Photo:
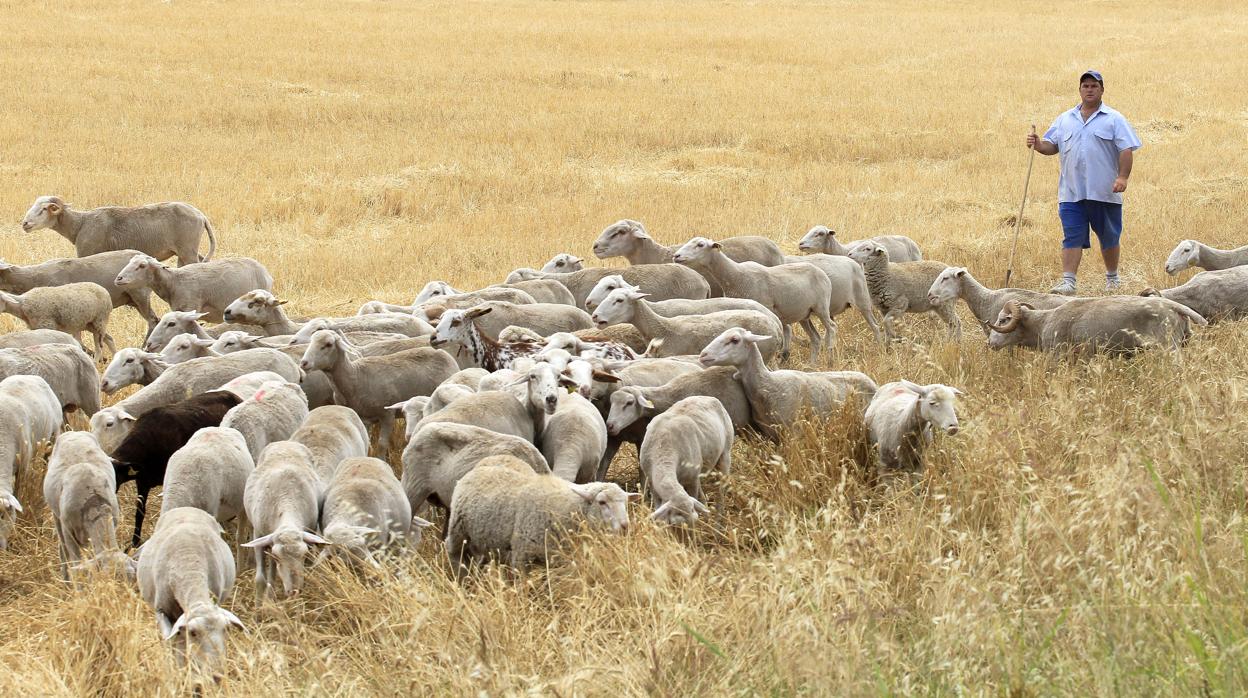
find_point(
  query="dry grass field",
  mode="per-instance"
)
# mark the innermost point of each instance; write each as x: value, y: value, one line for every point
x: 1083, y: 535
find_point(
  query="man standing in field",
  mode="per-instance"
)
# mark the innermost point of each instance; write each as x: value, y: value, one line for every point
x: 1097, y: 146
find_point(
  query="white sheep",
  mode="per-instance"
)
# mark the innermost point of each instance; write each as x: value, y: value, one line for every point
x: 684, y: 334
x: 574, y: 439
x: 821, y: 239
x: 1114, y: 324
x: 30, y: 338
x: 282, y: 501
x: 633, y: 403
x: 270, y: 414
x: 434, y: 289
x: 1191, y: 253
x: 778, y: 398
x: 672, y: 307
x: 30, y: 417
x: 459, y: 299
x: 99, y: 269
x: 366, y: 511
x: 794, y: 292
x: 499, y: 411
x: 183, y: 380
x: 185, y: 572
x: 370, y: 384
x: 901, y: 287
x: 503, y: 510
x: 901, y: 416
x: 693, y: 434
x: 246, y: 385
x: 80, y: 488
x: 66, y: 368
x: 210, y: 473
x: 1216, y: 295
x: 186, y: 346
x: 543, y: 291
x: 72, y: 308
x: 160, y: 230
x: 207, y: 287
x: 332, y: 434
x: 131, y: 367
x: 985, y: 303
x: 261, y: 308
x: 849, y: 286
x: 440, y: 454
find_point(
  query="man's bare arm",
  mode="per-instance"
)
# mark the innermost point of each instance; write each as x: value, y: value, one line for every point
x: 1042, y: 146
x: 1125, y: 159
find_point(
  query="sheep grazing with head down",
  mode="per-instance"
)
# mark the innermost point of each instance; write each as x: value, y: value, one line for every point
x: 1190, y: 253
x: 1114, y: 324
x: 160, y: 230
x: 694, y: 433
x: 81, y: 492
x: 440, y: 454
x: 271, y: 414
x: 30, y: 417
x: 901, y: 418
x: 185, y: 572
x: 503, y: 510
x: 282, y: 500
x: 366, y: 511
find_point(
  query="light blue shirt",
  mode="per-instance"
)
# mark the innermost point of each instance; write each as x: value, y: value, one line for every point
x: 1089, y: 153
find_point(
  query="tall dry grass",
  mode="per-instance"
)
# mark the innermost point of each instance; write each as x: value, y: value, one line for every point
x: 1084, y: 534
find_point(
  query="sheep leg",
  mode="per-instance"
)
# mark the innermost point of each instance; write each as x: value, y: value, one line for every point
x: 786, y: 336
x: 385, y: 433
x: 829, y: 330
x: 862, y: 303
x: 262, y: 584
x: 78, y: 338
x: 613, y: 446
x: 142, y: 303
x: 60, y: 544
x: 140, y: 509
x: 808, y: 326
x: 724, y: 464
x: 890, y: 318
x: 950, y: 316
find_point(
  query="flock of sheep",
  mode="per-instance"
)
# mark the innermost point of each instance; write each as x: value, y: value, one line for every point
x: 515, y: 397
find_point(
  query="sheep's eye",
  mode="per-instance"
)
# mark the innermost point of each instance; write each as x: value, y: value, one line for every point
x: 734, y: 340
x: 129, y: 361
x: 169, y: 324
x: 455, y: 323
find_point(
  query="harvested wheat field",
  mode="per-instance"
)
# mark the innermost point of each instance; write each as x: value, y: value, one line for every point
x: 1084, y: 532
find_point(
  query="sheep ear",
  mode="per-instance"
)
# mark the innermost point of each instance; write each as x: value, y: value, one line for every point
x: 660, y: 514
x: 960, y: 273
x: 165, y: 625
x: 637, y: 295
x: 418, y: 522
x: 575, y: 260
x: 959, y: 392
x: 177, y: 625
x: 566, y: 382
x: 281, y: 302
x: 320, y: 557
x: 261, y: 542
x: 13, y: 503
x: 234, y: 620
x: 604, y: 377
x: 750, y: 336
x: 641, y: 400
x: 477, y: 312
x: 199, y: 342
x: 312, y: 538
x: 126, y: 416
x: 716, y: 246
x: 398, y: 406
x: 587, y: 493
x: 700, y: 507
x: 198, y: 316
x: 54, y: 208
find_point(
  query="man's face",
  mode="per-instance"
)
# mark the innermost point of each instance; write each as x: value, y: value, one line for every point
x: 1090, y: 91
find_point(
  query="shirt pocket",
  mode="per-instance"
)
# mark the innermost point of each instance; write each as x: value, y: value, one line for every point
x: 1065, y: 141
x: 1105, y: 133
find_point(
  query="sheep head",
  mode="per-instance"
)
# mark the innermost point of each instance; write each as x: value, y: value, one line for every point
x: 127, y: 368
x: 434, y: 289
x: 43, y: 214
x: 815, y: 239
x: 138, y: 270
x: 605, y: 287
x: 696, y: 250
x: 617, y: 307
x: 628, y: 405
x: 731, y: 348
x: 948, y: 286
x: 9, y: 509
x: 1185, y: 254
x: 254, y: 307
x: 563, y: 263
x: 606, y: 502
x: 868, y: 252
x: 619, y: 238
x: 288, y: 547
x: 200, y: 632
x: 171, y: 324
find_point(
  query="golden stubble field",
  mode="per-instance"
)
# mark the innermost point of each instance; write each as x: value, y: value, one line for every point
x: 1084, y: 534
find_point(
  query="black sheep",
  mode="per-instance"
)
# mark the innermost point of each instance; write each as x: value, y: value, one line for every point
x: 144, y: 454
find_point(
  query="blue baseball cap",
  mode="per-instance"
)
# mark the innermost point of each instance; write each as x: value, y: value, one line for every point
x: 1094, y: 74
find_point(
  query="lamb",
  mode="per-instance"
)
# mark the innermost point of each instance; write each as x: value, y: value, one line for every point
x: 80, y: 490
x: 440, y: 454
x: 900, y: 419
x: 185, y: 571
x: 673, y: 307
x: 543, y: 291
x: 282, y: 500
x: 31, y: 338
x: 30, y: 417
x: 821, y: 239
x: 633, y: 403
x: 98, y: 269
x: 71, y: 308
x: 1115, y: 324
x: 502, y: 510
x: 210, y: 473
x: 207, y: 287
x: 849, y: 286
x: 985, y: 303
x: 66, y: 368
x: 1191, y: 253
x: 366, y: 511
x: 160, y: 230
x: 369, y: 384
x: 778, y: 398
x: 1216, y: 295
x: 497, y: 411
x: 461, y: 332
x: 685, y: 334
x: 662, y: 281
x: 151, y: 439
x: 899, y: 288
x: 260, y: 307
x: 273, y: 413
x: 563, y: 262
x: 794, y: 292
x: 694, y: 433
x: 574, y: 439
x: 332, y: 434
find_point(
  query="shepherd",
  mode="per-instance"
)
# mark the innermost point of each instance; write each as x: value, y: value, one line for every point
x: 1097, y: 146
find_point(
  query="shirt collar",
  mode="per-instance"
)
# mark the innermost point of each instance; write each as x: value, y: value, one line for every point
x: 1099, y: 110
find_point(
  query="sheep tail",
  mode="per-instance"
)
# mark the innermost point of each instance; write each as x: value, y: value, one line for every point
x: 212, y: 240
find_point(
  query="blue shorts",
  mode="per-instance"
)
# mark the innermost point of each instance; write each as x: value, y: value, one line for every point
x: 1103, y: 218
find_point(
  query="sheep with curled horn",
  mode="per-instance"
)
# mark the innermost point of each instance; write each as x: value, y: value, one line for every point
x: 1116, y: 324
